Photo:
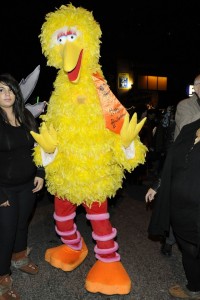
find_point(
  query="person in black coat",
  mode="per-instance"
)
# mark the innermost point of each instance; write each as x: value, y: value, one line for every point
x: 188, y: 111
x: 178, y: 203
x: 20, y: 180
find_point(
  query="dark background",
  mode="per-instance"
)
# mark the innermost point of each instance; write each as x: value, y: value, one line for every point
x: 158, y: 36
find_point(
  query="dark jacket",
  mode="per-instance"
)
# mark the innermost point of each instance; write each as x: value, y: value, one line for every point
x: 178, y: 200
x: 16, y: 160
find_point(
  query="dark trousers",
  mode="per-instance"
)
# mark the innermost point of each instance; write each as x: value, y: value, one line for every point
x: 170, y: 239
x: 14, y: 221
x: 191, y: 263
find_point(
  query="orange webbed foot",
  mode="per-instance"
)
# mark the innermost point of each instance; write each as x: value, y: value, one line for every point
x: 65, y: 258
x: 108, y: 278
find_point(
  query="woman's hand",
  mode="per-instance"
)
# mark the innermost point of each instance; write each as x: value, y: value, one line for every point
x: 150, y: 195
x: 5, y: 204
x: 38, y: 183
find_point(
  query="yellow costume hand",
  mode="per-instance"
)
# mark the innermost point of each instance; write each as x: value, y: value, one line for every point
x: 47, y: 139
x: 130, y: 129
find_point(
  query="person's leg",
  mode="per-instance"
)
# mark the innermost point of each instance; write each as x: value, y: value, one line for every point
x: 108, y: 267
x: 26, y: 199
x: 20, y: 257
x: 8, y: 225
x: 103, y: 232
x: 65, y: 213
x: 170, y: 240
x: 73, y: 251
x: 191, y: 265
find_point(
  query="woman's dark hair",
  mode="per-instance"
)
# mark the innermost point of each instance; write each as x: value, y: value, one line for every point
x: 23, y: 116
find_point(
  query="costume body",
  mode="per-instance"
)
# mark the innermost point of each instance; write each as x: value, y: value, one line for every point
x: 178, y: 200
x: 17, y: 174
x: 88, y: 164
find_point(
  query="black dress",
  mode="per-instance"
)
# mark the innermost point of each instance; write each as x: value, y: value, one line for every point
x: 178, y: 199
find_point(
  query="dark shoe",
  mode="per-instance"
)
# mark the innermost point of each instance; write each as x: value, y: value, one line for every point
x: 180, y: 292
x: 166, y: 249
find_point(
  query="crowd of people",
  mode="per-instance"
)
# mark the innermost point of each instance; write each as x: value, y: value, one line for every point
x: 157, y: 134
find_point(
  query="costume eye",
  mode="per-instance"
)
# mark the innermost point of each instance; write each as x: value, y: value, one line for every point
x: 69, y: 37
x: 62, y: 39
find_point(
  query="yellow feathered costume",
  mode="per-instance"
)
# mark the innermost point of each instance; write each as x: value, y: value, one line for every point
x: 83, y: 154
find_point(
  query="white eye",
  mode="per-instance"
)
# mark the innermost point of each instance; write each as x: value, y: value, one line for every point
x: 62, y: 39
x: 69, y: 37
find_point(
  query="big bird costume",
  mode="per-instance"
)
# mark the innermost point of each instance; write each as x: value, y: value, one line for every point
x: 86, y: 142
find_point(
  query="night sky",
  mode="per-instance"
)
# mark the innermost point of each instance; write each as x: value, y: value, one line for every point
x: 164, y: 36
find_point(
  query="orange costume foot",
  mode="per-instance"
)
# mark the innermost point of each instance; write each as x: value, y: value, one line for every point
x: 108, y: 278
x: 65, y: 258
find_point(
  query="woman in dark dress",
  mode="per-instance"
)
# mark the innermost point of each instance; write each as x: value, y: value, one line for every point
x: 178, y: 203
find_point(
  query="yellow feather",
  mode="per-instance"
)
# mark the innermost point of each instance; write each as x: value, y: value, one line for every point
x: 40, y: 140
x: 90, y: 163
x: 139, y: 126
x: 49, y: 140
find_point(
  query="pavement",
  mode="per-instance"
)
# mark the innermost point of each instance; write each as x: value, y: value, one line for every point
x: 151, y: 273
